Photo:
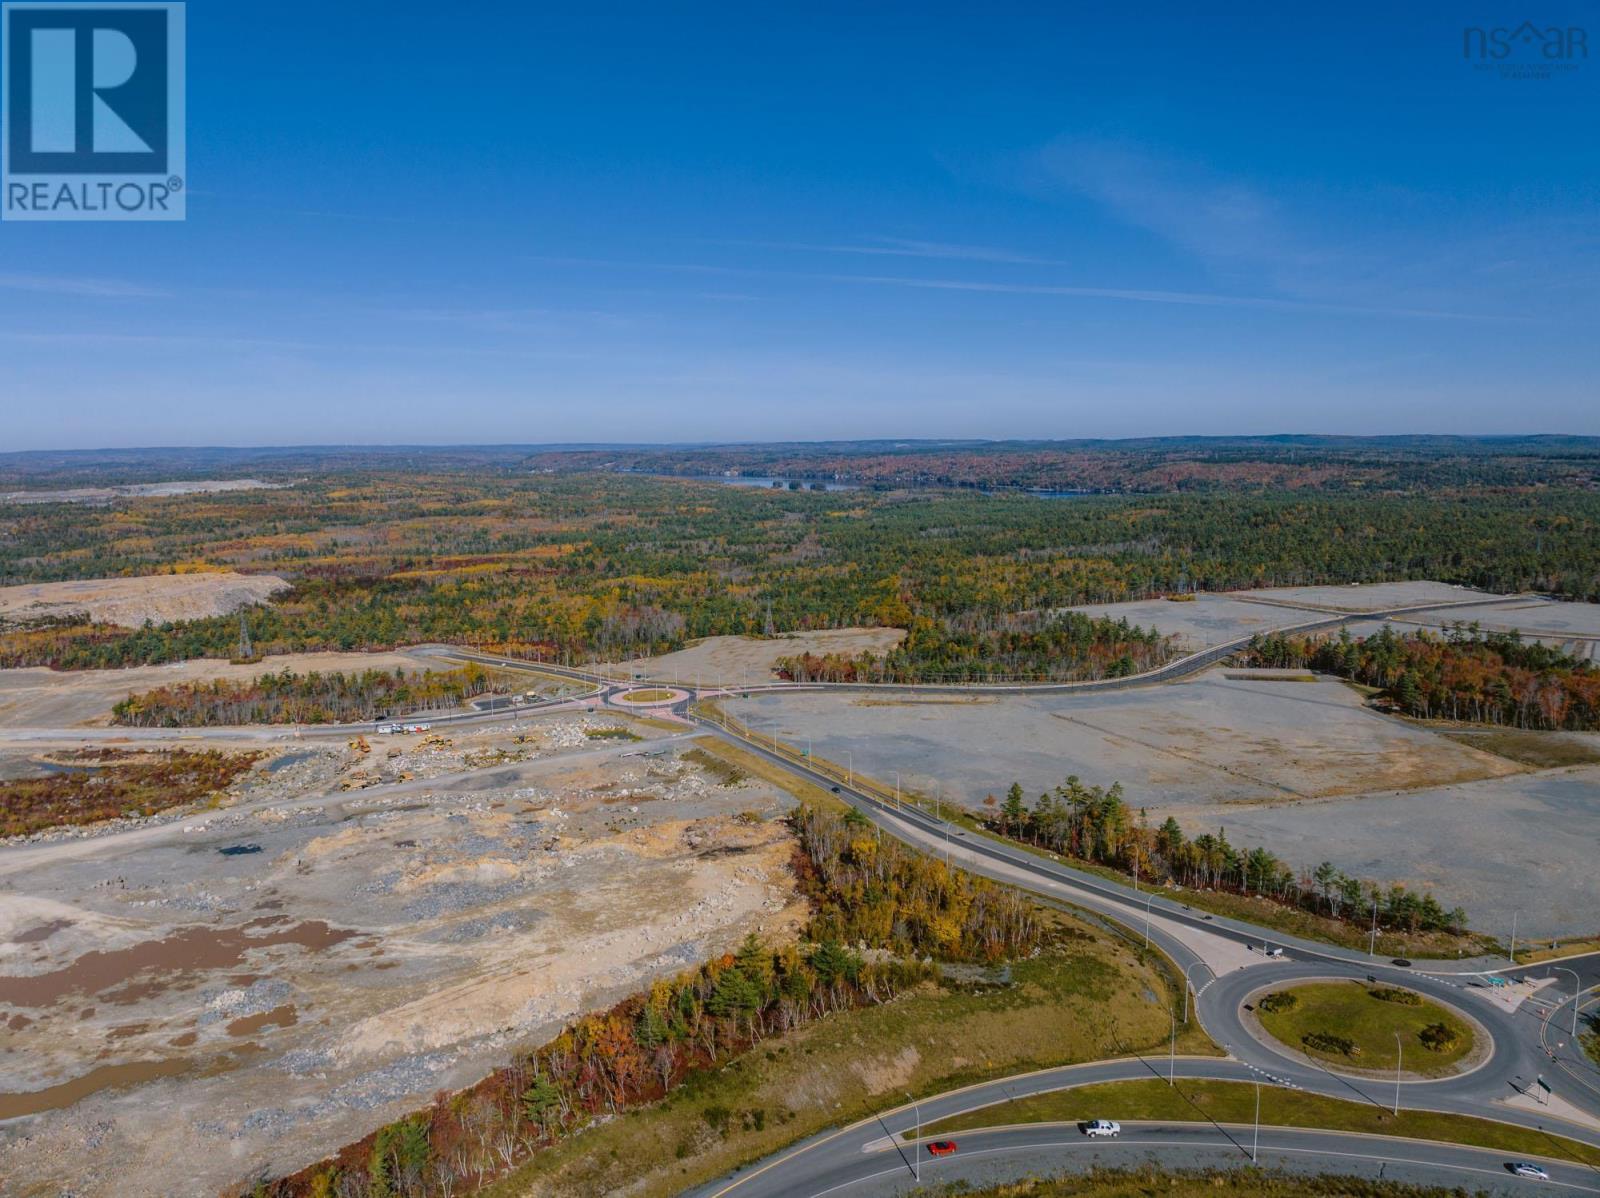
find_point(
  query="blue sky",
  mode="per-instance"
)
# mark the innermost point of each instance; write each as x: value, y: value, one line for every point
x: 522, y: 222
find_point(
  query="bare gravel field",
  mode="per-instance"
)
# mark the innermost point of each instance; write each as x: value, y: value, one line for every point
x: 742, y: 659
x: 246, y: 989
x: 129, y: 602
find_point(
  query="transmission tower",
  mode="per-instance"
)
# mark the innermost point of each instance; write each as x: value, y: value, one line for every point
x: 246, y: 652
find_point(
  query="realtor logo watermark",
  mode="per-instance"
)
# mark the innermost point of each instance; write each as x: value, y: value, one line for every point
x: 92, y: 111
x: 1526, y: 51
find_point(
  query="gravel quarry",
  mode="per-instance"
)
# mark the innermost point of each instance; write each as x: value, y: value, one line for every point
x: 362, y: 926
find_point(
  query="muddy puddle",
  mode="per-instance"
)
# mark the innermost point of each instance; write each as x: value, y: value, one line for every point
x: 187, y: 949
x: 32, y: 1102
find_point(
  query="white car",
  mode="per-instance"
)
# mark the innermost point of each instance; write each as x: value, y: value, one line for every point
x: 1524, y: 1169
x: 1102, y: 1127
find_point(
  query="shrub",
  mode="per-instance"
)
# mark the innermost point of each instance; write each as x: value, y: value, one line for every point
x: 1437, y: 1037
x: 1406, y: 998
x: 1281, y: 1000
x: 1327, y: 1042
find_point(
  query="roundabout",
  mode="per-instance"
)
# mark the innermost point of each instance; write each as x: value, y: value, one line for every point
x: 1368, y: 1030
x: 651, y: 696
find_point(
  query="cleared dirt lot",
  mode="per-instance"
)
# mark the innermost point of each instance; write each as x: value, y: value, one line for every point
x: 129, y: 602
x: 1300, y: 767
x: 1572, y: 627
x: 42, y: 698
x: 1202, y: 621
x: 249, y: 988
x: 1372, y: 596
x: 1521, y: 845
x: 139, y: 490
x: 734, y: 660
x: 1213, y: 741
x: 1213, y: 619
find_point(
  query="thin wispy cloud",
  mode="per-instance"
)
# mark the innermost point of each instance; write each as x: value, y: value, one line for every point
x: 1145, y: 296
x: 1126, y: 294
x: 900, y: 247
x: 71, y: 285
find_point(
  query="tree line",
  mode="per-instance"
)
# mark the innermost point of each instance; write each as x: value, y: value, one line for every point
x: 1095, y: 824
x: 1464, y: 674
x: 1036, y: 646
x: 311, y: 698
x: 880, y: 910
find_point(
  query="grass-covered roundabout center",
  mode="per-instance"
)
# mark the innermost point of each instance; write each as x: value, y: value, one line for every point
x: 1368, y: 1027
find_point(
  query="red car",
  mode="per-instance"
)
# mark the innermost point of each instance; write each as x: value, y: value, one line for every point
x: 941, y: 1147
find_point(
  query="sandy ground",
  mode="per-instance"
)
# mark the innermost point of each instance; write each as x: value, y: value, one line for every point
x: 467, y: 897
x: 1300, y: 767
x: 733, y: 660
x: 1203, y: 621
x: 42, y: 698
x: 1373, y: 596
x: 1572, y: 627
x: 1524, y: 844
x: 138, y: 491
x: 129, y: 602
x: 1213, y: 619
x: 1210, y: 743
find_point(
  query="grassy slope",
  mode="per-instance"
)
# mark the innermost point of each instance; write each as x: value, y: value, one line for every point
x: 1348, y: 1009
x: 1079, y: 1001
x: 1235, y: 1102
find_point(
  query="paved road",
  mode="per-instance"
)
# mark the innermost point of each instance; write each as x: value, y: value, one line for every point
x: 1190, y: 938
x: 994, y: 1156
x: 874, y: 1157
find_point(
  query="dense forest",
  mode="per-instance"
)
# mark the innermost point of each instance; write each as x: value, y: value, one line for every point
x: 1095, y: 824
x: 880, y: 910
x: 1464, y: 674
x: 312, y: 698
x: 581, y: 566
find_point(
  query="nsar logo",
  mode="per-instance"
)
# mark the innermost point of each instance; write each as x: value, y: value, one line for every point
x: 92, y: 111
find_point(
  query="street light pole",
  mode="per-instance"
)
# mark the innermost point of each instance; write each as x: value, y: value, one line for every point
x: 1512, y: 955
x: 1188, y: 988
x: 1172, y: 1051
x: 1148, y: 896
x: 1372, y: 941
x: 1577, y: 996
x: 1255, y: 1143
x: 851, y: 759
x: 1399, y: 1055
x: 916, y: 1147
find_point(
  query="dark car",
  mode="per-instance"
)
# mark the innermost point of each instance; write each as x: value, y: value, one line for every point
x: 835, y: 790
x: 1400, y: 961
x: 941, y: 1148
